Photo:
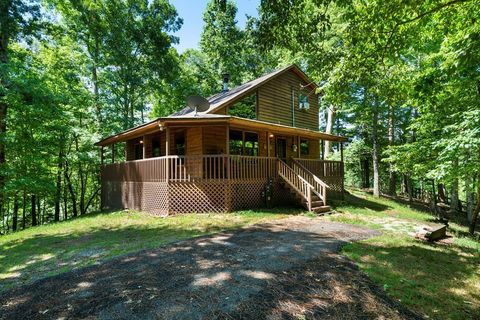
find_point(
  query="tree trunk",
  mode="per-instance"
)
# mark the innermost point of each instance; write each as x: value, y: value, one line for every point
x: 58, y: 191
x: 441, y: 193
x: 34, y: 209
x: 454, y: 192
x: 366, y: 173
x: 434, y: 199
x: 332, y: 111
x: 71, y: 191
x: 15, y: 212
x: 24, y: 207
x: 375, y: 154
x: 476, y: 212
x: 4, y: 43
x: 392, y: 186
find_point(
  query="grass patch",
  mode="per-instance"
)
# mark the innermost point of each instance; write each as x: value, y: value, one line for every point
x: 437, y: 280
x: 56, y: 248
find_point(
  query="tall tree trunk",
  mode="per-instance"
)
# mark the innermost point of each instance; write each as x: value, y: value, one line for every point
x: 441, y: 193
x: 454, y: 191
x: 392, y: 186
x: 65, y: 200
x: 73, y: 197
x: 5, y: 35
x: 58, y: 191
x: 476, y: 212
x: 96, y: 91
x: 15, y: 212
x: 375, y: 153
x: 24, y: 208
x: 34, y: 209
x: 332, y: 111
x: 470, y: 197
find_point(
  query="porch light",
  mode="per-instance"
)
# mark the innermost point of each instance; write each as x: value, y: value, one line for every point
x: 270, y: 135
x: 294, y: 148
x: 141, y: 141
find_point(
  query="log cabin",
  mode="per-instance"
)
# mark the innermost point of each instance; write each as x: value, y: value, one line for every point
x: 256, y: 145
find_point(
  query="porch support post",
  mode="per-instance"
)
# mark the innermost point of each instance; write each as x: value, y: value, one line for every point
x: 298, y: 147
x: 323, y: 149
x: 227, y: 150
x: 101, y: 177
x: 268, y: 144
x: 167, y: 153
x: 144, y: 149
x: 341, y: 151
x: 113, y: 152
x: 342, y: 169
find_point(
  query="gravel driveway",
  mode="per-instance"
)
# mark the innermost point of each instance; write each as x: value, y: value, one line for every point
x: 287, y: 269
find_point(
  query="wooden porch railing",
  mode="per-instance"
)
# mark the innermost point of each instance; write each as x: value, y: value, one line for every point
x: 322, y: 168
x: 191, y: 168
x: 302, y: 186
x: 319, y: 187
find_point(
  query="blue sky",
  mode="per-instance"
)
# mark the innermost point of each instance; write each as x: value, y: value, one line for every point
x: 191, y: 11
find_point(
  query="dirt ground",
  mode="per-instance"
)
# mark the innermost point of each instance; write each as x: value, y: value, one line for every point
x: 288, y: 269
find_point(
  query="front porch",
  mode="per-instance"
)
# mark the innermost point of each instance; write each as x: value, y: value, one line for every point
x: 218, y: 164
x: 210, y: 183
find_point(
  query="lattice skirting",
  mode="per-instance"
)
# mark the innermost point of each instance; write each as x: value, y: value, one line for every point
x: 248, y: 194
x: 146, y: 196
x: 199, y: 197
x: 336, y: 187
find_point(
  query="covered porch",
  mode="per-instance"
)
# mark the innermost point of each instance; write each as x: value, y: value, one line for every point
x: 211, y: 165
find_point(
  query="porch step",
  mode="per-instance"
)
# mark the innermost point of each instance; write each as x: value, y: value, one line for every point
x: 321, y: 209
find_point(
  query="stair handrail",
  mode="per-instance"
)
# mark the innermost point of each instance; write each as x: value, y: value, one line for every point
x: 319, y: 186
x: 303, y: 187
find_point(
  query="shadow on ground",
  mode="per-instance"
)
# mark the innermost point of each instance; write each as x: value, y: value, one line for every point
x: 286, y: 269
x: 33, y: 257
x: 431, y: 277
x: 361, y: 203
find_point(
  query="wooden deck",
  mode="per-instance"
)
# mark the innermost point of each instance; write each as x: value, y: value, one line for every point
x: 213, y: 183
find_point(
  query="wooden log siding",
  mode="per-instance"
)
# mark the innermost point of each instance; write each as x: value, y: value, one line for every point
x: 275, y: 102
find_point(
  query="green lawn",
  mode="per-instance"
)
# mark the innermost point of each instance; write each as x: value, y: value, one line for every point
x: 437, y: 280
x: 52, y: 249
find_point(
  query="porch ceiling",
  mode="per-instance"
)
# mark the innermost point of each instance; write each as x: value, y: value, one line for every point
x: 213, y: 119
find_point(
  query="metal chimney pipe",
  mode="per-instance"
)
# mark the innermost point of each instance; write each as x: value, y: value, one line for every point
x: 226, y: 78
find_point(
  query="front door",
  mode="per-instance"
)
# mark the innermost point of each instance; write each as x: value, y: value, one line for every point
x: 281, y: 149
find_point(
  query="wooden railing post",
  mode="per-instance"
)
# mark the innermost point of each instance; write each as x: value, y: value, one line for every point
x: 309, y: 199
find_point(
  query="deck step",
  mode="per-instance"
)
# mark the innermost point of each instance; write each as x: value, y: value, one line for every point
x: 321, y: 209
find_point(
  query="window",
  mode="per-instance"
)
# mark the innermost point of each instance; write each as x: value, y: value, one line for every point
x: 251, y: 144
x: 236, y: 142
x: 180, y: 143
x: 304, y: 147
x: 243, y: 143
x: 245, y: 108
x: 138, y: 151
x: 303, y: 103
x: 156, y: 147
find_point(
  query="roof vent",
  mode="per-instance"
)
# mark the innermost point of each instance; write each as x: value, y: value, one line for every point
x: 226, y: 78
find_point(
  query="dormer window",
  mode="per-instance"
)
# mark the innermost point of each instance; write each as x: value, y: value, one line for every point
x: 303, y: 103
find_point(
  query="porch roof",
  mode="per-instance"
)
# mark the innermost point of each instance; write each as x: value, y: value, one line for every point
x: 212, y: 119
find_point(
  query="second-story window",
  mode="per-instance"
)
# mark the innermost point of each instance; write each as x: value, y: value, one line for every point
x: 245, y: 108
x: 303, y: 103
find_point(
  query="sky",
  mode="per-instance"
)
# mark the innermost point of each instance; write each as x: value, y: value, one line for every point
x: 191, y: 11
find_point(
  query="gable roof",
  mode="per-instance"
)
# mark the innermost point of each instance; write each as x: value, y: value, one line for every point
x: 221, y: 99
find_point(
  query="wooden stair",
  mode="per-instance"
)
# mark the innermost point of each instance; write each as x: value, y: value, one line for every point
x: 308, y: 189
